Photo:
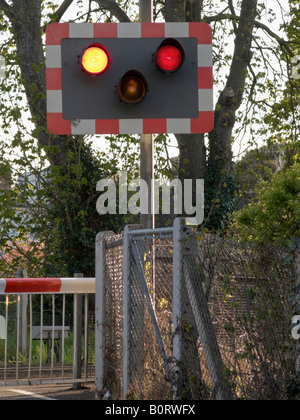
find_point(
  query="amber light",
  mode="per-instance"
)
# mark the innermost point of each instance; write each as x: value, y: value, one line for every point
x: 95, y: 60
x: 132, y: 88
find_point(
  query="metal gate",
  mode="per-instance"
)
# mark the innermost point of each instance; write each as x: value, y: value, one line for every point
x: 148, y: 315
x: 146, y: 302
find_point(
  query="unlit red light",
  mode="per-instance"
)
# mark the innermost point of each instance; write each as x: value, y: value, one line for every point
x: 95, y: 60
x: 169, y: 58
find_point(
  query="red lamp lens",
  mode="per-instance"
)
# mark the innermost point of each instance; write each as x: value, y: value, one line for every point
x: 169, y: 58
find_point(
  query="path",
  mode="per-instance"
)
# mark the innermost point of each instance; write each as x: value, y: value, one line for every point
x: 52, y: 392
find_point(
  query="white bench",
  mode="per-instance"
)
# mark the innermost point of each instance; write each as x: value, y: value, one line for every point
x: 49, y: 333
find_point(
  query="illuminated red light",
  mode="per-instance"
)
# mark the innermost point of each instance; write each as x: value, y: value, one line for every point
x: 169, y: 58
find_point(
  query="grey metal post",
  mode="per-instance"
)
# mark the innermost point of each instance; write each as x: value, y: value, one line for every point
x: 297, y: 306
x: 202, y: 318
x: 146, y: 153
x: 297, y: 277
x: 127, y: 312
x: 23, y: 317
x: 101, y: 321
x: 146, y: 10
x: 77, y: 340
x: 177, y: 293
x: 24, y: 312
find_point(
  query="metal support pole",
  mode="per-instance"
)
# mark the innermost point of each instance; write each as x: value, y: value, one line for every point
x: 146, y: 10
x: 77, y: 349
x: 177, y: 294
x: 129, y: 315
x: 297, y: 307
x: 23, y: 321
x: 146, y: 156
x: 101, y: 321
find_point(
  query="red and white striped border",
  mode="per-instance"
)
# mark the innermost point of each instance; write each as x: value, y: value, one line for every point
x: 201, y: 31
x: 47, y: 286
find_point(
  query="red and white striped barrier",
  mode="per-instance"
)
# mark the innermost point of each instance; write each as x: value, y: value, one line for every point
x: 47, y: 285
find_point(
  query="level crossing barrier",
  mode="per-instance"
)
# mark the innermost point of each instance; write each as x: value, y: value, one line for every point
x: 46, y: 330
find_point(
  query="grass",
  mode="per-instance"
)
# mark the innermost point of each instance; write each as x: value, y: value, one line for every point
x: 35, y: 355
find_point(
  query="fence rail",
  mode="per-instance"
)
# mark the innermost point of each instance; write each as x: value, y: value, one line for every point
x: 44, y: 325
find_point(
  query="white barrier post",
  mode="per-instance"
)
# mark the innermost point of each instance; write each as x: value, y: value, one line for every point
x: 77, y: 343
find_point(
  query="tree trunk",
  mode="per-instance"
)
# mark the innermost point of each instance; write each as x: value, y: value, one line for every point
x: 220, y: 184
x: 192, y: 151
x: 26, y: 24
x: 174, y: 10
x: 231, y: 98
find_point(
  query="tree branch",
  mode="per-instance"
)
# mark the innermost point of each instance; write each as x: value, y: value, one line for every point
x: 62, y: 9
x: 59, y: 13
x: 282, y: 42
x: 114, y: 8
x: 6, y: 8
x: 231, y: 7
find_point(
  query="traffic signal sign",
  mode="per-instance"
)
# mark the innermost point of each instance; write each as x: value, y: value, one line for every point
x: 129, y: 78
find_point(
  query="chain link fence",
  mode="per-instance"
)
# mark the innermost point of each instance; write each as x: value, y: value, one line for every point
x: 193, y: 317
x: 150, y: 317
x: 249, y: 294
x: 109, y: 315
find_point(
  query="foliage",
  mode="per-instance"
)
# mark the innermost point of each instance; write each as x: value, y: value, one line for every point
x: 220, y: 187
x: 72, y: 216
x: 260, y: 164
x: 52, y: 205
x: 48, y: 212
x: 274, y: 215
x: 48, y: 217
x: 283, y: 115
x: 54, y: 208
